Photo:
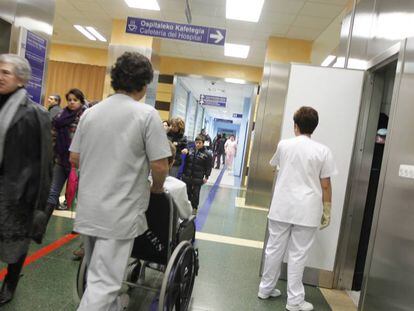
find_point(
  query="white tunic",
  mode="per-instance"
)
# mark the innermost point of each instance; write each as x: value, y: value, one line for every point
x: 297, y: 198
x: 116, y: 139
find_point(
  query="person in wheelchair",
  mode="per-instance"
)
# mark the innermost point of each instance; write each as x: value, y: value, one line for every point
x: 178, y: 190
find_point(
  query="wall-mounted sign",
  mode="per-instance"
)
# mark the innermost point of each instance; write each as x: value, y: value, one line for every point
x: 216, y: 101
x: 161, y: 29
x: 237, y: 115
x: 33, y: 48
x: 223, y: 120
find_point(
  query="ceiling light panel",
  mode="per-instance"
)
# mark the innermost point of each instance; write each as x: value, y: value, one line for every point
x: 236, y: 50
x: 96, y: 34
x: 83, y: 31
x: 244, y: 10
x: 143, y: 4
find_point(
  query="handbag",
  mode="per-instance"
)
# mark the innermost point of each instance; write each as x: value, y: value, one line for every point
x: 72, y: 188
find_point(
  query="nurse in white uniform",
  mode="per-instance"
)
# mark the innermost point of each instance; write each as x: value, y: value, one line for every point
x: 301, y: 203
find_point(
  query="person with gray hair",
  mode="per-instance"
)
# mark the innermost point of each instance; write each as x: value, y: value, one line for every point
x: 25, y: 169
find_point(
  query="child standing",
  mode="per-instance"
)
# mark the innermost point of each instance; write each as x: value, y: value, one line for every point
x: 197, y: 170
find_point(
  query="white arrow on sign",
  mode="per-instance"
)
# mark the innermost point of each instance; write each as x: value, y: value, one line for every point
x: 218, y: 36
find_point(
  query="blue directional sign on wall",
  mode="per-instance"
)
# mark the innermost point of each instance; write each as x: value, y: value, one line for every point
x: 209, y: 100
x: 223, y: 120
x: 237, y: 115
x: 161, y: 29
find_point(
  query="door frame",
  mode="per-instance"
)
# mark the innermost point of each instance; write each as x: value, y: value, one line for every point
x: 360, y: 168
x: 247, y: 143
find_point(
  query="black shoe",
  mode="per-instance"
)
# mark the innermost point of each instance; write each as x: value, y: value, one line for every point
x: 6, y: 295
x: 7, y: 290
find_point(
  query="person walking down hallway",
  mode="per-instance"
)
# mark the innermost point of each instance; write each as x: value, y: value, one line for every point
x: 197, y: 170
x: 54, y: 106
x: 301, y: 202
x: 116, y: 145
x: 218, y: 150
x: 207, y: 139
x: 179, y: 140
x: 231, y: 149
x: 63, y: 129
x: 25, y: 170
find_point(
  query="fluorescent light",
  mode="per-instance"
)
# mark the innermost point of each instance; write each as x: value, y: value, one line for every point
x: 328, y: 61
x: 84, y: 32
x: 96, y: 34
x: 143, y: 4
x: 232, y: 80
x: 236, y: 50
x: 246, y: 10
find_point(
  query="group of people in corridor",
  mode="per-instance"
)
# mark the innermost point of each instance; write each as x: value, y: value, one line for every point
x: 118, y: 146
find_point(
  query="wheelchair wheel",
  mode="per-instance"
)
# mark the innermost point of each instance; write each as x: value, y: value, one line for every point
x: 81, y: 278
x: 178, y: 281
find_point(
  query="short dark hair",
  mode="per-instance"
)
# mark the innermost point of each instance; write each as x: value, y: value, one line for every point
x: 132, y: 71
x: 57, y: 98
x: 77, y: 93
x: 307, y: 119
x: 199, y: 138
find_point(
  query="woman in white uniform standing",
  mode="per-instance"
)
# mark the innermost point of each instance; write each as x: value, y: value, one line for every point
x: 301, y: 203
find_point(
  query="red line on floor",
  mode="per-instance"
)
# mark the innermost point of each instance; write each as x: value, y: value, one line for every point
x: 43, y: 251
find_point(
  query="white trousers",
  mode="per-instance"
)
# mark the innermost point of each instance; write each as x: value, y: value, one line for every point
x: 107, y: 260
x: 296, y: 240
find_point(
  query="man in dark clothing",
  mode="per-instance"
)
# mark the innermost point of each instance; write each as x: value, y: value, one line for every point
x: 207, y: 139
x: 218, y: 150
x: 54, y: 106
x: 197, y: 170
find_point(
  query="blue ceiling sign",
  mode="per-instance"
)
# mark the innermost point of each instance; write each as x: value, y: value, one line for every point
x: 216, y: 101
x: 237, y: 115
x: 184, y: 32
x: 223, y: 120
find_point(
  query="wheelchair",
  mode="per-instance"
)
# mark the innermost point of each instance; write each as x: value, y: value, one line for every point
x: 167, y: 247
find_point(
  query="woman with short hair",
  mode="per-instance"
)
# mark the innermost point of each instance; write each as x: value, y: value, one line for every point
x: 25, y: 169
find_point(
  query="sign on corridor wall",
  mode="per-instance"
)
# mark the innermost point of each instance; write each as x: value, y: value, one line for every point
x: 168, y: 30
x: 216, y: 101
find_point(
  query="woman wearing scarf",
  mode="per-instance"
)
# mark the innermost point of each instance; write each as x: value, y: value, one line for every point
x: 63, y: 129
x: 176, y: 136
x: 25, y: 169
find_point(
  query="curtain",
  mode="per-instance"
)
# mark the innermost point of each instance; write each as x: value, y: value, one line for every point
x: 63, y: 76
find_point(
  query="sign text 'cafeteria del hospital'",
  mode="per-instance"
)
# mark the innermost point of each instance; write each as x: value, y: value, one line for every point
x: 168, y: 30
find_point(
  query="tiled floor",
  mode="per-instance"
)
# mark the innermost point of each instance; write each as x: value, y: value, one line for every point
x: 230, y: 247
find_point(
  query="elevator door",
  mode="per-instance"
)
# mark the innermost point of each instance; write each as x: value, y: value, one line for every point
x: 383, y: 79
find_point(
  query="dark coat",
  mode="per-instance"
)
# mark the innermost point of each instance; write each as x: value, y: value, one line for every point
x: 54, y: 111
x: 218, y: 146
x: 207, y: 139
x: 198, y: 166
x: 180, y: 143
x: 25, y: 175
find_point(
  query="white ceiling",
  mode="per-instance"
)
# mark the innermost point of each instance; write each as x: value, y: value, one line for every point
x: 235, y: 94
x: 298, y: 19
